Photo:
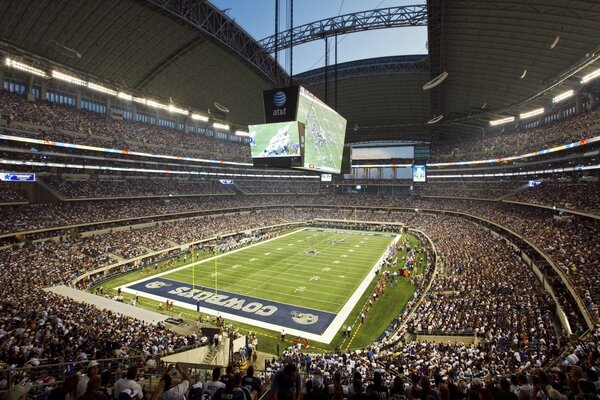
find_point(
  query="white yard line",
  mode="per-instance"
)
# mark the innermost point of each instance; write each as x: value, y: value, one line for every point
x: 325, y: 337
x: 207, y: 260
x: 336, y: 324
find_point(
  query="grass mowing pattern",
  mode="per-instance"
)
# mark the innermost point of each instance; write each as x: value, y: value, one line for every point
x: 364, y: 334
x: 282, y: 270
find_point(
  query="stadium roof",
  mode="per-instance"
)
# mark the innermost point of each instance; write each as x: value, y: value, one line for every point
x: 158, y: 48
x: 498, y: 55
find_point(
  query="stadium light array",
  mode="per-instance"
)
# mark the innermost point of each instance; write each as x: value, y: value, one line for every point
x: 217, y: 125
x: 125, y: 96
x: 24, y: 67
x: 177, y: 110
x: 502, y: 121
x: 68, y: 78
x: 242, y: 133
x: 9, y: 62
x: 591, y: 76
x: 102, y: 89
x: 531, y: 113
x: 563, y: 96
x: 156, y: 104
x: 198, y: 117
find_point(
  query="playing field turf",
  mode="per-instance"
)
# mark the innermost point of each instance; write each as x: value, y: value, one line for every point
x: 282, y: 269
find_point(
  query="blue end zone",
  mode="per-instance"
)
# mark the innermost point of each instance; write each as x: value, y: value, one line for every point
x: 285, y: 315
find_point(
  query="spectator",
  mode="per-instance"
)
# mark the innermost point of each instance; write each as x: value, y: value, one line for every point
x: 91, y: 372
x: 129, y: 382
x: 286, y: 384
x: 179, y: 391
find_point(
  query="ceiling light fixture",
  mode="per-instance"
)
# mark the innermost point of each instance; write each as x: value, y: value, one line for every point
x: 218, y: 125
x: 125, y: 96
x: 532, y: 113
x: 24, y: 67
x: 198, y: 117
x: 563, y: 96
x: 102, y: 89
x: 68, y: 78
x: 435, y: 119
x: 591, y: 76
x: 502, y: 121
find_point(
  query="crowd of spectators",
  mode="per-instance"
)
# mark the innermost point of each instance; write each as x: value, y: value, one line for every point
x: 8, y: 194
x: 583, y: 196
x: 468, y: 298
x: 359, y: 376
x: 36, y: 325
x: 483, y: 189
x: 504, y: 144
x: 100, y: 130
x: 134, y: 187
x: 279, y: 186
x: 484, y: 289
x: 436, y: 371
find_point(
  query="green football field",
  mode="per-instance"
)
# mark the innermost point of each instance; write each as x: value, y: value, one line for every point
x: 283, y: 269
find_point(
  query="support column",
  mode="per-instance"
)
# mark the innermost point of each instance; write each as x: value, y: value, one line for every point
x: 30, y: 96
x: 578, y: 106
x: 43, y: 89
x: 78, y: 98
x: 591, y: 101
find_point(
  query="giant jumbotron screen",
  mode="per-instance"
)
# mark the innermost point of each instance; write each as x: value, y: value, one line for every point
x: 322, y: 144
x: 325, y: 132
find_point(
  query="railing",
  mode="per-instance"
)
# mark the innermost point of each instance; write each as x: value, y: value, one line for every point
x: 58, y: 371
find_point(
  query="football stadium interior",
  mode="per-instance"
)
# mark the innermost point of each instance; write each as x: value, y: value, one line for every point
x: 179, y: 207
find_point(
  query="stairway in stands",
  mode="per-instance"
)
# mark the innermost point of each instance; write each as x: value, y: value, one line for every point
x: 237, y: 190
x: 210, y: 356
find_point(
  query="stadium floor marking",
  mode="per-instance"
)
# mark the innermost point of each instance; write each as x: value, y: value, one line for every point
x: 342, y: 314
x: 337, y: 306
x: 233, y: 273
x: 279, y: 267
x: 286, y: 294
x: 295, y: 265
x: 194, y: 317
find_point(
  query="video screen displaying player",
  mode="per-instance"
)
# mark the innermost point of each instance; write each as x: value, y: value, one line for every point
x: 275, y: 140
x: 325, y: 133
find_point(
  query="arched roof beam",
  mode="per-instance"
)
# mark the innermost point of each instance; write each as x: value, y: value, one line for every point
x: 213, y: 23
x: 392, y: 17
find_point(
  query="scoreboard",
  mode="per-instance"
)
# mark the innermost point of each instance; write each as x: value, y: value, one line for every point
x: 321, y: 132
